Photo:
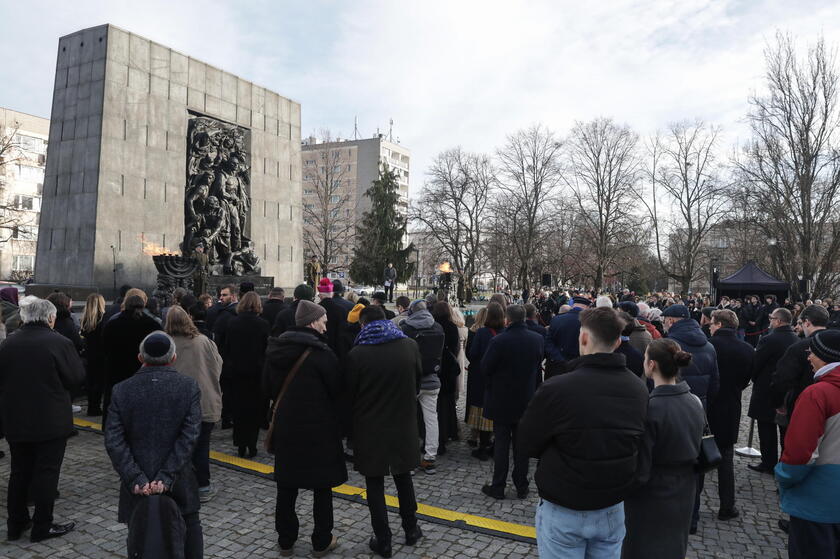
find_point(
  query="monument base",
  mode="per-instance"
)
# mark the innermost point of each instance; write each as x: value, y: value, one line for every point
x: 75, y: 292
x: 262, y: 284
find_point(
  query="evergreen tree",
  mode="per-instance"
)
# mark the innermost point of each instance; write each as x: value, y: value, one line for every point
x: 379, y: 236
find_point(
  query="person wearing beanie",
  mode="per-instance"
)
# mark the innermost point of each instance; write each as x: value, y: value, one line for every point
x: 158, y: 460
x: 338, y: 295
x: 286, y: 318
x: 336, y: 313
x: 808, y: 473
x: 307, y: 425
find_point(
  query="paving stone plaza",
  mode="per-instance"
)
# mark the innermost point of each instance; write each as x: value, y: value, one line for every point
x: 239, y: 522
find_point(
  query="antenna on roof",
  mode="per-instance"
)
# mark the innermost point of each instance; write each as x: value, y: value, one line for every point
x: 355, y: 127
x: 391, y: 130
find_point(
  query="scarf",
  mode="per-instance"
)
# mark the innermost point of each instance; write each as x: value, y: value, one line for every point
x: 379, y: 332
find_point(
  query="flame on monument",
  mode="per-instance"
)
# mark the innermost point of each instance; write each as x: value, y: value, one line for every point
x: 445, y: 268
x: 152, y: 249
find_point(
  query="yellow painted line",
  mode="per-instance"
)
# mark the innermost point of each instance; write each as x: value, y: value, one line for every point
x: 521, y: 530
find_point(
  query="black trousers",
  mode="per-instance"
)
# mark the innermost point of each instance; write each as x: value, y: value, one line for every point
x: 94, y: 381
x: 768, y: 441
x: 695, y: 516
x: 726, y: 478
x: 201, y: 455
x: 447, y: 418
x: 35, y: 468
x: 813, y: 540
x: 226, y: 384
x: 194, y: 544
x: 505, y: 435
x: 376, y: 504
x: 389, y: 292
x: 286, y: 521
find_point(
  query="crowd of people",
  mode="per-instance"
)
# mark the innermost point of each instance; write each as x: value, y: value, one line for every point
x: 616, y: 397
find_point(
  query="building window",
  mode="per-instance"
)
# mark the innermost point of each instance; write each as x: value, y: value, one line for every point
x: 334, y: 199
x: 23, y: 263
x: 24, y: 202
x: 29, y: 173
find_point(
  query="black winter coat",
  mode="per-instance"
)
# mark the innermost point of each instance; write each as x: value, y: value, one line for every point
x: 735, y: 362
x: 449, y: 366
x: 702, y: 374
x: 336, y: 321
x: 793, y: 375
x: 510, y: 367
x: 763, y: 401
x: 382, y: 383
x: 65, y: 326
x: 94, y: 352
x: 586, y: 426
x: 285, y: 320
x: 221, y: 325
x: 635, y: 360
x: 121, y: 339
x: 153, y: 423
x: 271, y: 308
x: 38, y: 367
x: 244, y: 346
x: 477, y: 344
x: 307, y: 434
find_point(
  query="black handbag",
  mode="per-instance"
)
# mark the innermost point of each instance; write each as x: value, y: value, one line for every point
x: 709, y: 457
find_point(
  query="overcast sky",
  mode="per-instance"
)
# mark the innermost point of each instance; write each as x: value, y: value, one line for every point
x: 453, y: 72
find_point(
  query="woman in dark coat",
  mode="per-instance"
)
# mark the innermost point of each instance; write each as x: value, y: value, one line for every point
x: 448, y: 374
x: 64, y: 323
x: 244, y: 355
x: 658, y: 513
x: 307, y: 432
x: 494, y: 322
x: 92, y: 325
x: 121, y: 339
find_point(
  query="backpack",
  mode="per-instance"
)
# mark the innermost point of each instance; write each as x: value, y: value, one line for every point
x: 156, y: 529
x: 430, y: 342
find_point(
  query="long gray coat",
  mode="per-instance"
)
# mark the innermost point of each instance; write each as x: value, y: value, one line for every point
x: 658, y: 513
x: 153, y: 423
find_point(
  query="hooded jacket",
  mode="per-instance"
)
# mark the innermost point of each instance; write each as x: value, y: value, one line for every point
x: 809, y: 470
x: 702, y: 374
x: 422, y: 328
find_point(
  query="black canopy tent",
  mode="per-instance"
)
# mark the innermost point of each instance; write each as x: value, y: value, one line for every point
x: 751, y: 280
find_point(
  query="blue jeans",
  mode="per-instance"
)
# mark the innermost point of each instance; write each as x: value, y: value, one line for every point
x: 572, y: 534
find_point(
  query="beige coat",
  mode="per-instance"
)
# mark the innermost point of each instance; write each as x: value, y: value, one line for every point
x: 199, y: 359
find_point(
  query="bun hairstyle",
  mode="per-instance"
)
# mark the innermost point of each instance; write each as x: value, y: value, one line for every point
x: 669, y: 356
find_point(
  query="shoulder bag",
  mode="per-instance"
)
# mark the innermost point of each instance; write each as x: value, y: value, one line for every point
x: 269, y: 436
x: 709, y: 457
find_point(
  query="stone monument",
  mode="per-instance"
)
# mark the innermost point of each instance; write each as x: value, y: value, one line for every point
x: 154, y: 152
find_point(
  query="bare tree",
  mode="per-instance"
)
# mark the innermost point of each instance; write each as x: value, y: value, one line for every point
x: 16, y: 219
x: 792, y: 165
x: 687, y: 198
x: 328, y: 208
x: 453, y: 206
x: 530, y: 164
x: 604, y: 169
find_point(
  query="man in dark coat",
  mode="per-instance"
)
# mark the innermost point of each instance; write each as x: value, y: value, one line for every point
x: 383, y: 375
x: 338, y: 295
x: 153, y: 423
x: 286, y: 318
x: 510, y: 365
x: 307, y: 432
x: 735, y: 362
x: 275, y: 303
x: 561, y: 340
x: 763, y: 401
x: 229, y: 298
x: 585, y: 427
x: 532, y: 320
x: 38, y: 368
x: 793, y: 372
x: 379, y: 299
x: 389, y: 280
x: 701, y: 375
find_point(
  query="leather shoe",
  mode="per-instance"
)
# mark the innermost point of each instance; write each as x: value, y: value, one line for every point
x: 728, y: 514
x: 760, y: 468
x: 413, y: 536
x: 380, y: 548
x: 522, y: 492
x: 491, y: 491
x: 14, y: 535
x: 693, y: 529
x: 55, y: 531
x: 784, y: 525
